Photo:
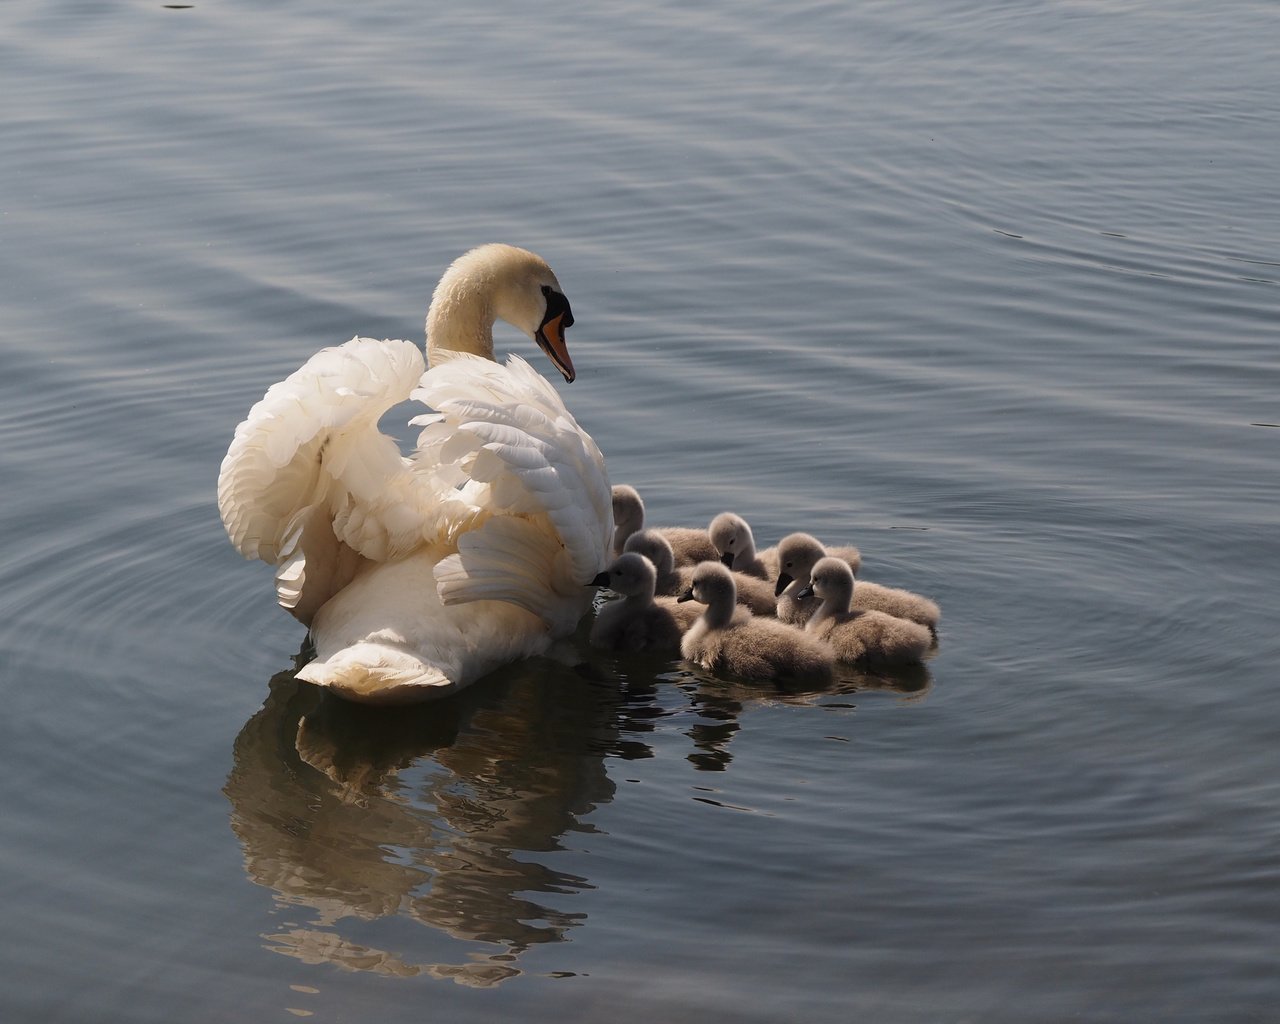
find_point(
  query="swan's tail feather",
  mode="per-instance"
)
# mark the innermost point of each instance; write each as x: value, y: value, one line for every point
x: 506, y: 559
x: 379, y: 673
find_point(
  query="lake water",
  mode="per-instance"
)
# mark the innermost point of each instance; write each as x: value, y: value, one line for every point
x: 990, y: 290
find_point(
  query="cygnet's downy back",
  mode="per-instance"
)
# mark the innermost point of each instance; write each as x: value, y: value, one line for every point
x: 869, y: 637
x: 636, y: 623
x: 727, y: 640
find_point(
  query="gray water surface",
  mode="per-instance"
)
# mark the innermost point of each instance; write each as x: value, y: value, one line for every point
x: 989, y: 290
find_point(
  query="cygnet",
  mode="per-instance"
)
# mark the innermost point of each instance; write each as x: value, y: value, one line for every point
x: 755, y: 594
x: 736, y: 547
x: 860, y: 637
x: 689, y: 546
x: 636, y: 623
x: 728, y: 640
x: 798, y: 553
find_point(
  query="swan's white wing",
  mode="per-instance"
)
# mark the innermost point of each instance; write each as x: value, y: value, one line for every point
x: 309, y: 483
x: 535, y: 480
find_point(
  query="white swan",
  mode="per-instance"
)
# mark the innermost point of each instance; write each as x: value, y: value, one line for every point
x: 418, y: 575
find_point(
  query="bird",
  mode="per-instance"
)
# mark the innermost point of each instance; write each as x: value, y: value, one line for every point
x: 418, y: 575
x: 736, y: 547
x: 636, y: 623
x: 689, y: 545
x: 755, y: 594
x: 657, y: 549
x: 728, y: 640
x: 860, y: 637
x: 798, y: 553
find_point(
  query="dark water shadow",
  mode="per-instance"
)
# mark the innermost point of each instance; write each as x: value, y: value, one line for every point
x: 718, y: 703
x: 448, y: 815
x: 442, y: 814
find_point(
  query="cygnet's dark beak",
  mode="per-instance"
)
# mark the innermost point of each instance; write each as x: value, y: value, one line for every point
x: 601, y: 579
x: 784, y: 581
x: 686, y: 596
x: 727, y: 559
x: 805, y: 592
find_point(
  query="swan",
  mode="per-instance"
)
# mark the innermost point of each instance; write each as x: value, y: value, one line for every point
x: 798, y: 553
x: 727, y: 639
x: 870, y: 637
x: 689, y: 546
x: 636, y: 623
x: 418, y: 575
x: 756, y: 594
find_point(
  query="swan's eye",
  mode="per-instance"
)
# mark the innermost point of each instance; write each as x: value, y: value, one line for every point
x: 557, y: 306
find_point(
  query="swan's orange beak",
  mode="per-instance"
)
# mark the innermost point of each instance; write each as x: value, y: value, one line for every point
x: 550, y: 338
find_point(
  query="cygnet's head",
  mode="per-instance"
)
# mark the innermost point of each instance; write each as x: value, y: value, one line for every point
x: 732, y: 539
x: 628, y: 509
x: 630, y: 575
x: 712, y: 584
x: 798, y: 553
x: 832, y: 583
x: 654, y: 547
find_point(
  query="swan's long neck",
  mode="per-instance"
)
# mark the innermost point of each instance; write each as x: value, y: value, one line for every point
x: 461, y: 315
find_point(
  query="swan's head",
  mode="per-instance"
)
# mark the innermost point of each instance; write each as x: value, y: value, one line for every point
x: 798, y: 553
x: 832, y: 583
x: 631, y: 575
x: 528, y: 296
x: 507, y: 283
x: 732, y: 539
x: 655, y: 548
x: 712, y: 585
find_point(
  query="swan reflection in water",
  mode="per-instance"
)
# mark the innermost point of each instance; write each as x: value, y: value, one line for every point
x: 430, y: 813
x: 453, y: 814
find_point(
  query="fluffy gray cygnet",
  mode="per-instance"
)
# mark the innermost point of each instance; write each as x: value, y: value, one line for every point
x: 798, y: 553
x: 688, y: 545
x: 636, y: 623
x: 729, y: 641
x: 756, y: 594
x: 860, y: 637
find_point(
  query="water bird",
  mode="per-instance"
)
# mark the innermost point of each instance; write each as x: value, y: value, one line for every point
x: 735, y: 546
x: 798, y: 553
x: 860, y: 637
x: 728, y: 640
x: 418, y: 575
x: 689, y: 545
x: 637, y: 623
x: 755, y: 594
